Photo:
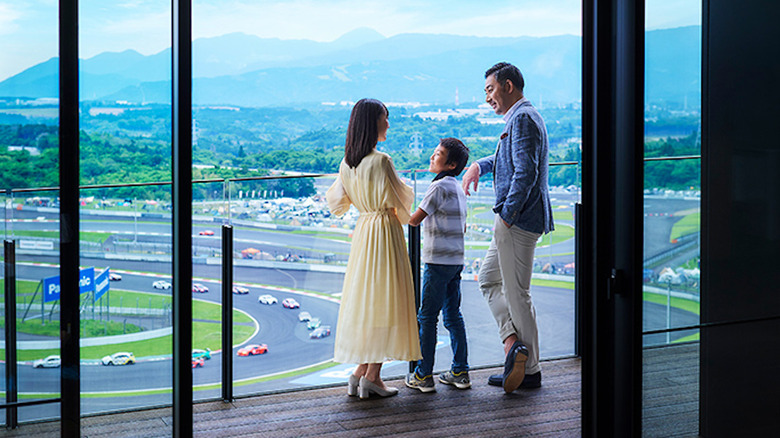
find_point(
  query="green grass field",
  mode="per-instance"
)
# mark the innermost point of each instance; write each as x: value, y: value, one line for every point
x: 679, y: 303
x: 561, y: 233
x: 689, y: 338
x: 213, y: 312
x: 687, y: 225
x: 24, y: 289
x: 563, y: 215
x: 553, y: 283
x: 560, y: 254
x: 147, y: 300
x: 87, y: 236
x: 143, y: 300
x: 323, y: 234
x: 89, y: 328
x: 475, y: 209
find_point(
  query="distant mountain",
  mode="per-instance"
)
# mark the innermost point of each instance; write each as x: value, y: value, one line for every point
x: 113, y: 62
x: 40, y: 80
x: 434, y: 77
x: 357, y: 38
x: 245, y: 70
x: 673, y: 66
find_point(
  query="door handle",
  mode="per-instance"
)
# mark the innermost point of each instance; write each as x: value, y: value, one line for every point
x: 616, y: 283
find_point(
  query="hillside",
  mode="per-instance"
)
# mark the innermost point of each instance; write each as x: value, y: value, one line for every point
x: 245, y: 70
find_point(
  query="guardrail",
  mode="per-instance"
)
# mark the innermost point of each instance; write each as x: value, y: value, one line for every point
x: 684, y: 244
x: 91, y: 342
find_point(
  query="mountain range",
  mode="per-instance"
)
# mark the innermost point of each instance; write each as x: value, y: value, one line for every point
x: 245, y: 70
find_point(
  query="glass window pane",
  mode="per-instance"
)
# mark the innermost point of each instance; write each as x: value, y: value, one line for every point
x: 289, y: 260
x: 274, y: 100
x: 32, y: 223
x: 209, y: 212
x: 29, y: 118
x: 125, y: 231
x: 672, y: 217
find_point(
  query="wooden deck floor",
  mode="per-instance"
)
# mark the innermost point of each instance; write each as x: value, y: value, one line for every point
x: 483, y: 411
x: 670, y: 391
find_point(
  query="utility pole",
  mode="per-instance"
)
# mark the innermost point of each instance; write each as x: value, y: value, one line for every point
x: 135, y: 220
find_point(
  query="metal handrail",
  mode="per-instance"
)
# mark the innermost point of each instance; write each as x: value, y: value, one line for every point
x: 276, y: 177
x: 261, y: 178
x: 681, y: 157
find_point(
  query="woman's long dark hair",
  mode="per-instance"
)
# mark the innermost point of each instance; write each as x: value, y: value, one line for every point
x: 362, y: 133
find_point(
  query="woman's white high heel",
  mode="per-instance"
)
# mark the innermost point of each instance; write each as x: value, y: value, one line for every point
x: 367, y: 387
x: 352, y: 385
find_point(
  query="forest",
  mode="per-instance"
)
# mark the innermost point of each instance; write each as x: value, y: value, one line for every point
x: 132, y: 145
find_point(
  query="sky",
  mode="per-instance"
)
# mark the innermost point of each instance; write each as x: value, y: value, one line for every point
x: 28, y: 29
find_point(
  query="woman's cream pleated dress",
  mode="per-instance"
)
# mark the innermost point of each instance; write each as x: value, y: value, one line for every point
x: 377, y: 320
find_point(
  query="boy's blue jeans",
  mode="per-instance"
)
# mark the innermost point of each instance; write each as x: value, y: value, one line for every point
x: 441, y: 292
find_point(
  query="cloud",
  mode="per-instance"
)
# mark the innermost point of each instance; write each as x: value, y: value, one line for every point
x: 532, y: 21
x: 115, y: 27
x: 326, y: 21
x: 296, y: 19
x: 145, y: 25
x: 136, y: 4
x: 9, y: 17
x: 665, y: 14
x: 28, y: 34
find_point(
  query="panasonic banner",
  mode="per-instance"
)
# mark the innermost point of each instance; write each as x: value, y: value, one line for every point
x: 101, y: 284
x: 51, y: 289
x: 51, y: 285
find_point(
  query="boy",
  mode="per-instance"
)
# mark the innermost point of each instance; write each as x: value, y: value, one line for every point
x: 444, y: 211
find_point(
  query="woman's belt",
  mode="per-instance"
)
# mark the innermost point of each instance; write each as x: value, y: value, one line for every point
x: 381, y: 211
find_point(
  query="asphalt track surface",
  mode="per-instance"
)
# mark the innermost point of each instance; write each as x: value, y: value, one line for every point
x: 660, y: 214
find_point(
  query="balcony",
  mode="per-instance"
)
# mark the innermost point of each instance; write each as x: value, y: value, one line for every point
x: 250, y: 206
x: 284, y: 244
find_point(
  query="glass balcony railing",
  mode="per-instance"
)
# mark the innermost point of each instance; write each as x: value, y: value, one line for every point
x: 671, y: 273
x: 289, y: 256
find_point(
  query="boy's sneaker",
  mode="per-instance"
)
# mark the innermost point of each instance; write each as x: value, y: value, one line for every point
x: 459, y: 380
x: 425, y: 384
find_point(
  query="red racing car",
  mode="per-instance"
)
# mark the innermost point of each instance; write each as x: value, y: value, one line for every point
x: 252, y: 349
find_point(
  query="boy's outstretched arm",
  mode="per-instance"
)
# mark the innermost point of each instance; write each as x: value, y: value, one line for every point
x: 417, y: 217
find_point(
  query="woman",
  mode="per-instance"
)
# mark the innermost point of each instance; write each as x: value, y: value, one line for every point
x: 377, y: 315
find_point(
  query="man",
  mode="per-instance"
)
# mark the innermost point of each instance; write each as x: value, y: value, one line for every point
x: 523, y: 214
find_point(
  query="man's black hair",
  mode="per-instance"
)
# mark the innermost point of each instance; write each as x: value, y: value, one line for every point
x: 505, y: 71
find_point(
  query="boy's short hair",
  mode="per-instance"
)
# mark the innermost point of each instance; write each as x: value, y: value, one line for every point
x: 457, y: 153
